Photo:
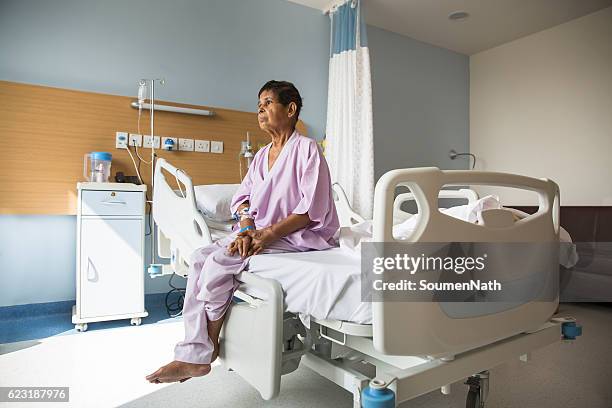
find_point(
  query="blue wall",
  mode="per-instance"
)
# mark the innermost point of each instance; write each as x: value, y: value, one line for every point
x: 38, y: 260
x: 421, y: 103
x: 212, y: 53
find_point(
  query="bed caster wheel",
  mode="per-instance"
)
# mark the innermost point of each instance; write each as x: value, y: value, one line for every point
x: 479, y: 390
x: 135, y: 321
x: 80, y: 327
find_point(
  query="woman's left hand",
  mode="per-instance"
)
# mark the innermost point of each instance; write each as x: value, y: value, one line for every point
x: 260, y: 239
x: 240, y: 244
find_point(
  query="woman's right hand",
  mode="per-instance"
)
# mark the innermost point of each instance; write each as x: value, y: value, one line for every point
x: 242, y: 244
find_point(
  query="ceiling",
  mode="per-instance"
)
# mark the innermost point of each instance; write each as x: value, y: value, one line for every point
x: 491, y: 22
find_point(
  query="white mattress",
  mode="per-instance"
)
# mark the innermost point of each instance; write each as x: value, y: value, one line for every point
x: 322, y: 284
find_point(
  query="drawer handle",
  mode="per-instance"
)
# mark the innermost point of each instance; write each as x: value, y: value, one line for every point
x: 91, y: 268
x: 114, y: 202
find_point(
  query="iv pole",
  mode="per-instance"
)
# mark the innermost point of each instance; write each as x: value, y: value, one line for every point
x: 154, y: 269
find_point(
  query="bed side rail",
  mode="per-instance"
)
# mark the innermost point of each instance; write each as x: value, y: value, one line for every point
x: 346, y: 215
x: 178, y: 217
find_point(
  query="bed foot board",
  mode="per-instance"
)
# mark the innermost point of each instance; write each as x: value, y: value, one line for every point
x: 251, y: 338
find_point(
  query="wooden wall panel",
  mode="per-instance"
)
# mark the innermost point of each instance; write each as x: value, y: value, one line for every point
x: 44, y: 133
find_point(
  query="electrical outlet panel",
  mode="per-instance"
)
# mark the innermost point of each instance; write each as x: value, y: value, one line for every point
x: 216, y: 147
x: 121, y: 140
x: 148, y: 142
x: 185, y: 145
x: 135, y: 140
x: 174, y: 143
x: 202, y: 146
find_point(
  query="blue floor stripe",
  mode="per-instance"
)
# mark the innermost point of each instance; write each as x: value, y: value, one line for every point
x: 35, y: 309
x: 40, y: 320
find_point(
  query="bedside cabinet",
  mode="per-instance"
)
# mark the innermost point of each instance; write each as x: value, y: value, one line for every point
x: 110, y: 253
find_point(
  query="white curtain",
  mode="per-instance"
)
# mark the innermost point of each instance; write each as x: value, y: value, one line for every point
x: 349, y: 136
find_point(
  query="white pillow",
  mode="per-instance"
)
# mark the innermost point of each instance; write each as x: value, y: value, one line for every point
x: 214, y: 200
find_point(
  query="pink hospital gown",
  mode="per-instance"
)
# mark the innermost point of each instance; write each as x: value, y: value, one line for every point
x: 298, y: 183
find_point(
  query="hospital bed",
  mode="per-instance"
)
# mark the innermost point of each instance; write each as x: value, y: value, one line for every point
x: 411, y: 348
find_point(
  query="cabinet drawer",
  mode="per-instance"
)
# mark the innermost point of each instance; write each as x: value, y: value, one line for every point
x: 112, y: 203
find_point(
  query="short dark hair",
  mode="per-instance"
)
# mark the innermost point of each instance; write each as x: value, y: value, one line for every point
x: 285, y: 92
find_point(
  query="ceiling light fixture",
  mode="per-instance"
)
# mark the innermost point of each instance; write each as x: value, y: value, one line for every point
x: 458, y: 15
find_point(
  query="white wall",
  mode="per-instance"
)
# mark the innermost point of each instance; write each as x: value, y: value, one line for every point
x: 542, y: 106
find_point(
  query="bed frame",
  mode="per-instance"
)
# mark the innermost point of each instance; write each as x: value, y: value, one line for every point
x: 414, y: 348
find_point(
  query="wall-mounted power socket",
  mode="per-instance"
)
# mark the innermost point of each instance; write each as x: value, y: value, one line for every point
x: 121, y: 140
x: 135, y: 140
x: 148, y: 142
x: 185, y: 145
x: 216, y: 147
x: 167, y: 146
x: 202, y: 146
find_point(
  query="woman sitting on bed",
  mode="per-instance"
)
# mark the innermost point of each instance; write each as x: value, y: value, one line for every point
x: 284, y: 204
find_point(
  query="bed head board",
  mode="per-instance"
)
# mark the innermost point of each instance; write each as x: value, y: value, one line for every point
x: 427, y: 328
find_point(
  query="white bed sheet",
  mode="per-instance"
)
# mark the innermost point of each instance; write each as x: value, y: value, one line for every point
x: 322, y: 284
x: 327, y: 284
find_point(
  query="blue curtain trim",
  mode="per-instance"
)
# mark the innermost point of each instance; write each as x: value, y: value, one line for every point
x: 344, y: 35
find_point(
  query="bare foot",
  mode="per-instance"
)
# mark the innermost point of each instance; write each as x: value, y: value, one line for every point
x: 178, y: 371
x: 215, y: 353
x: 214, y: 328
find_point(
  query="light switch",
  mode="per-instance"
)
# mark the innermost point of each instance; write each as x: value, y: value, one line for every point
x: 216, y: 147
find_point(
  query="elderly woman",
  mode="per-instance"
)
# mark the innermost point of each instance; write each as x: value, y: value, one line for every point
x: 284, y: 204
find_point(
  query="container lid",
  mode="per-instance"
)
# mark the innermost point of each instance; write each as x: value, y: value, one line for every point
x: 101, y: 156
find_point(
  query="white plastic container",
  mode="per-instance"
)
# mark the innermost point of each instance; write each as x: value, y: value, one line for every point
x: 97, y: 166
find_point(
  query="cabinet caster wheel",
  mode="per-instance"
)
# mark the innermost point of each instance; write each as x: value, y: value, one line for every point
x: 80, y: 327
x: 136, y: 321
x: 473, y: 399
